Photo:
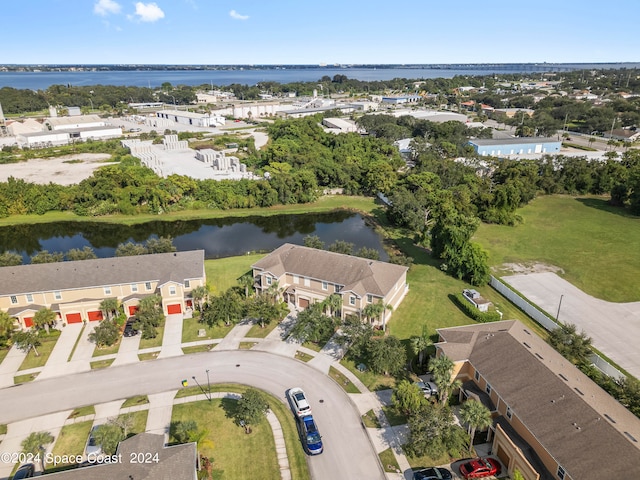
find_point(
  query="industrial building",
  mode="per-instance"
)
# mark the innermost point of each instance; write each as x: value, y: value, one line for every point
x: 515, y: 146
x: 185, y: 118
x: 339, y: 125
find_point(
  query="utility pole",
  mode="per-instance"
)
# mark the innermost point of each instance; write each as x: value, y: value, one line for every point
x: 559, y: 305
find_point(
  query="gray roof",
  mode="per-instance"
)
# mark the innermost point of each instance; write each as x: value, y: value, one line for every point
x: 356, y: 274
x: 174, y: 463
x: 587, y: 431
x: 512, y: 141
x: 47, y: 277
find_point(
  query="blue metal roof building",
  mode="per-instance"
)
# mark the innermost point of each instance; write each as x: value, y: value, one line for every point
x: 515, y: 146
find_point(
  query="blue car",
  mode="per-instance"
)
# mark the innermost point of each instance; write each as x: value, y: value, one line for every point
x: 311, y: 439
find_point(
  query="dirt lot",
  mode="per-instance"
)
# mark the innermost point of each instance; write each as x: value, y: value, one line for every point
x: 65, y: 170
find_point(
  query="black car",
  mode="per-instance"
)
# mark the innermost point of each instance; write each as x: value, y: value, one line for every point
x: 129, y: 331
x: 27, y: 470
x: 433, y: 473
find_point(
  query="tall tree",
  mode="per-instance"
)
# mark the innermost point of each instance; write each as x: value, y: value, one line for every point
x: 105, y: 334
x: 45, y: 257
x: 476, y: 416
x: 574, y: 346
x: 252, y: 408
x: 420, y: 343
x: 246, y: 282
x: 108, y: 436
x: 109, y: 306
x: 160, y: 245
x: 10, y: 259
x: 7, y: 326
x: 407, y: 397
x: 386, y: 355
x: 224, y: 309
x: 87, y: 253
x: 27, y: 340
x: 44, y: 319
x: 36, y: 443
x: 313, y: 325
x: 130, y: 249
x: 372, y: 311
x: 332, y: 303
x: 313, y: 241
x: 199, y: 296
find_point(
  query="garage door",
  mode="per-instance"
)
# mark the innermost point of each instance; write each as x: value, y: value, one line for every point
x: 95, y: 315
x: 28, y: 322
x: 74, y: 318
x: 132, y: 310
x: 303, y: 302
x: 175, y: 308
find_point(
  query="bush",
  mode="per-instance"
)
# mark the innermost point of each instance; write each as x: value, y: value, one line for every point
x: 473, y: 312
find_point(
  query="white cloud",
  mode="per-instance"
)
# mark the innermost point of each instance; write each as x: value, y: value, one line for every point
x: 105, y: 7
x: 237, y: 16
x: 149, y: 12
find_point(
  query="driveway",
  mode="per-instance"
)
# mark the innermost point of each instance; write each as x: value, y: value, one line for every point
x: 348, y: 450
x: 613, y: 327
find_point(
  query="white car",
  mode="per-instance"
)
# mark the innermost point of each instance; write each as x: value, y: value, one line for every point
x: 428, y: 388
x: 299, y: 401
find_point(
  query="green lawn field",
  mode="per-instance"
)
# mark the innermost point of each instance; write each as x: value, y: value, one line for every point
x: 597, y: 246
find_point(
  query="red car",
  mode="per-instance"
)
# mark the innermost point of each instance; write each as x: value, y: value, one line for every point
x: 480, y: 468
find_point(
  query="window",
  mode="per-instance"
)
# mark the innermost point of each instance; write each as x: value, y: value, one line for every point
x: 477, y: 376
x: 325, y: 286
x: 561, y: 472
x: 509, y: 413
x: 187, y: 284
x: 352, y: 300
x: 488, y: 389
x: 29, y: 298
x: 107, y: 290
x: 172, y: 290
x: 14, y: 299
x: 307, y: 282
x: 147, y: 286
x: 268, y: 280
x: 57, y: 295
x: 134, y: 287
x: 296, y: 279
x: 369, y: 298
x: 336, y: 288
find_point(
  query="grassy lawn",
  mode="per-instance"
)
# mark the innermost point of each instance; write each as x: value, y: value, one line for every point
x: 247, y: 345
x: 3, y: 429
x: 596, y: 245
x: 389, y: 462
x: 370, y: 420
x: 24, y: 378
x: 394, y: 417
x: 138, y: 421
x: 313, y: 346
x: 153, y: 342
x: 190, y: 327
x: 148, y: 356
x: 426, y: 461
x: 48, y: 342
x: 372, y: 380
x: 84, y: 327
x: 137, y: 400
x: 196, y: 349
x: 99, y: 351
x: 223, y: 273
x: 72, y: 439
x: 305, y: 357
x: 82, y: 411
x: 3, y: 353
x: 258, y: 332
x: 101, y: 364
x: 324, y: 204
x: 343, y: 381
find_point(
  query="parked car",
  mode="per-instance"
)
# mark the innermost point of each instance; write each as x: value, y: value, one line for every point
x: 299, y: 402
x: 433, y: 473
x: 428, y: 388
x: 311, y: 438
x: 92, y: 448
x: 480, y: 468
x: 27, y: 470
x: 129, y: 331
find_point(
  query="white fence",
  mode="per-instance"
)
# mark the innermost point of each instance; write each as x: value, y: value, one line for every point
x: 544, y: 320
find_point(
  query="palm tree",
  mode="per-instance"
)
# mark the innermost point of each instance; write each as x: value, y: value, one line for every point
x: 199, y: 295
x: 109, y: 306
x: 44, y: 318
x: 6, y: 325
x: 274, y: 291
x: 387, y: 308
x: 246, y: 281
x: 333, y: 302
x: 419, y: 344
x: 442, y: 369
x: 373, y: 311
x: 35, y: 443
x: 476, y: 416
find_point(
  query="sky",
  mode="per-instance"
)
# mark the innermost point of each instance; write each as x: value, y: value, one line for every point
x: 323, y: 32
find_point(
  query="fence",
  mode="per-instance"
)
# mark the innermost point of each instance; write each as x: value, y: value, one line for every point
x: 542, y: 318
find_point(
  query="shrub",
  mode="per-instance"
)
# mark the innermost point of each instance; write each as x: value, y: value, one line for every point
x: 473, y: 312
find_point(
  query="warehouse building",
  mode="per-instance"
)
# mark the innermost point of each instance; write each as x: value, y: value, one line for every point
x: 515, y: 146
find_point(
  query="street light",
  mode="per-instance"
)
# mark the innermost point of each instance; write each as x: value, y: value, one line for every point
x: 559, y: 305
x: 208, y: 385
x: 174, y: 100
x: 208, y: 397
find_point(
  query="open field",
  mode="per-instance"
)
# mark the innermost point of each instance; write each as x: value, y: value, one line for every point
x: 66, y: 170
x: 595, y: 245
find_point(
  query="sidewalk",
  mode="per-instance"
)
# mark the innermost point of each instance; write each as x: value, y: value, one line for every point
x: 58, y: 363
x: 81, y: 360
x: 10, y: 365
x: 237, y: 334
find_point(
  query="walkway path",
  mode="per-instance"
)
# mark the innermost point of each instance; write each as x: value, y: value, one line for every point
x: 160, y: 405
x: 81, y: 359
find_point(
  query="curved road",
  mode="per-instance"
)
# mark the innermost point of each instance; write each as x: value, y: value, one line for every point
x: 348, y: 452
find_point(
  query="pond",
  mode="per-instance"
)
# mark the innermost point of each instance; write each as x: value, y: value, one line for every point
x: 221, y: 237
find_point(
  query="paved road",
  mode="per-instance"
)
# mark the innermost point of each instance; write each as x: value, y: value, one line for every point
x: 613, y: 327
x: 348, y: 451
